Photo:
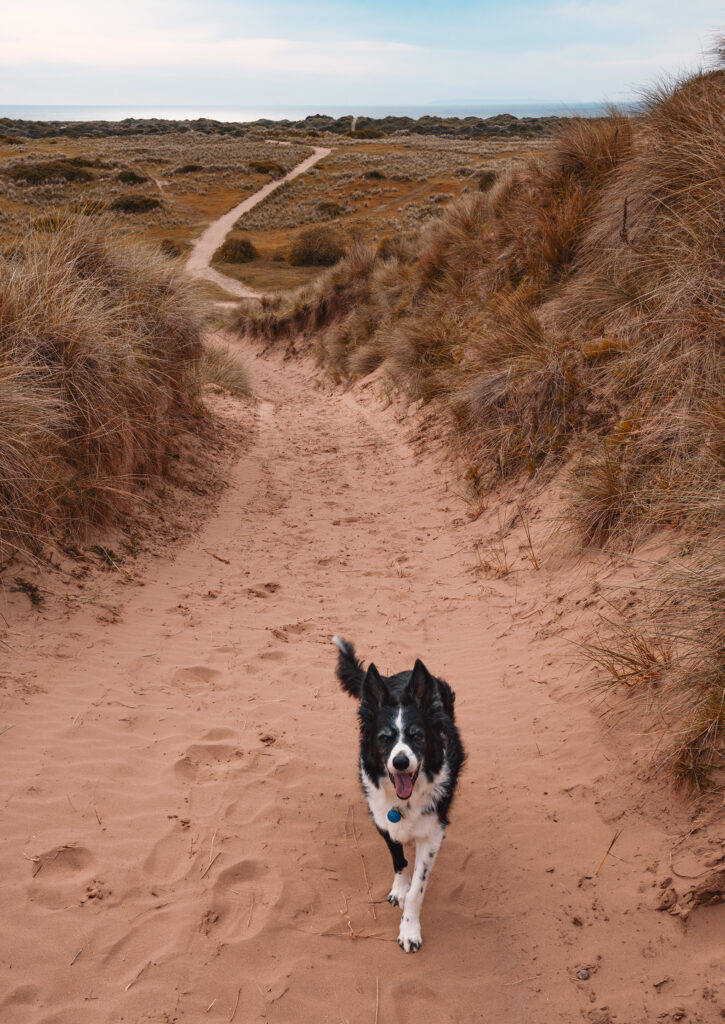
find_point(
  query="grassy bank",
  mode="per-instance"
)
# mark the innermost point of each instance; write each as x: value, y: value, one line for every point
x: 101, y: 366
x: 573, y: 311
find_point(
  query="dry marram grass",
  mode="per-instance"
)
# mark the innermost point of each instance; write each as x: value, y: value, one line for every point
x: 98, y: 343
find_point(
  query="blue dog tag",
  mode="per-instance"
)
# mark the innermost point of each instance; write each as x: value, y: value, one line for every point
x: 394, y: 815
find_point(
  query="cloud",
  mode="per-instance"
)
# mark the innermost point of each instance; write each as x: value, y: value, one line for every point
x: 117, y: 36
x: 487, y: 51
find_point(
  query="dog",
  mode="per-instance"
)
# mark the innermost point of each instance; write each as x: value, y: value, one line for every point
x: 410, y: 759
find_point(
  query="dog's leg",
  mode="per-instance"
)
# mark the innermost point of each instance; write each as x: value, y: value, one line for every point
x: 426, y: 852
x: 401, y: 881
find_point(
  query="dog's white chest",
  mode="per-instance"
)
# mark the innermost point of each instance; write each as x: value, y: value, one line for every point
x: 419, y: 820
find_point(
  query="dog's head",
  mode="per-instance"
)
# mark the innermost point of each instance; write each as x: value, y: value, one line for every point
x: 402, y: 719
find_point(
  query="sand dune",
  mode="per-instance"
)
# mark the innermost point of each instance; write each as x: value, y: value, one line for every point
x: 183, y: 834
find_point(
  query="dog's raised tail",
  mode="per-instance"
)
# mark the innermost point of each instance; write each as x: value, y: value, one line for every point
x: 349, y: 670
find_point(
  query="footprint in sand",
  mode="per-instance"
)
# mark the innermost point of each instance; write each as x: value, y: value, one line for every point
x: 23, y: 995
x: 169, y: 857
x: 244, y: 896
x: 291, y: 629
x: 202, y: 761
x: 60, y: 876
x: 220, y: 733
x: 272, y: 655
x: 195, y: 679
x: 263, y: 590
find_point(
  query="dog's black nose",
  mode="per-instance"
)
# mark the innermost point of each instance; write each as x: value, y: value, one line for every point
x: 400, y: 762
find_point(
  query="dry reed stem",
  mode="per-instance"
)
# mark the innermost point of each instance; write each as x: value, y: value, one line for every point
x: 236, y: 1004
x: 527, y: 531
x: 133, y: 981
x: 211, y: 863
x: 616, y: 836
x: 218, y: 557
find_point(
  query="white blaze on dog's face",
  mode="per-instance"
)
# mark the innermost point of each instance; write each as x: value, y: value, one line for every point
x: 401, y: 738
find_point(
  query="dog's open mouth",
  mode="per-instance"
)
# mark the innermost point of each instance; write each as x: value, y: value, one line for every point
x: 403, y: 782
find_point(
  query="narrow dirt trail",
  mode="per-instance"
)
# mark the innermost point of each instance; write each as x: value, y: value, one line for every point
x: 184, y: 838
x: 199, y: 262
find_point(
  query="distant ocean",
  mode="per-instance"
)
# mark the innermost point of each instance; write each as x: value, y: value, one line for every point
x: 293, y: 113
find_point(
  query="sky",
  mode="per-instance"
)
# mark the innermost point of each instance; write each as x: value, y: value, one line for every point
x: 322, y: 52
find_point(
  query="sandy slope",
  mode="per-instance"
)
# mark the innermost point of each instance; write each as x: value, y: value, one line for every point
x: 198, y: 264
x: 183, y: 835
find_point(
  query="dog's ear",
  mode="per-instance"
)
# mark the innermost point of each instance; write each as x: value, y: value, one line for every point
x: 425, y: 690
x: 422, y: 685
x: 373, y: 691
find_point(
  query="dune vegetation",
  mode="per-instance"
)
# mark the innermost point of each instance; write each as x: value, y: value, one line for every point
x: 572, y: 314
x: 101, y: 366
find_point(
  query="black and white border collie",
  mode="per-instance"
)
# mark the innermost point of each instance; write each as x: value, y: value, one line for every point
x: 410, y: 757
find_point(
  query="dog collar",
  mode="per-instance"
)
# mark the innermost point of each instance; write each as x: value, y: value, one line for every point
x: 394, y: 815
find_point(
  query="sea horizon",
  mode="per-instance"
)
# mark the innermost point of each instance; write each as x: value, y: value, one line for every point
x: 245, y: 114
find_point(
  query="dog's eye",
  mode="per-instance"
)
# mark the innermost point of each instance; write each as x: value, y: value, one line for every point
x: 415, y: 733
x: 385, y: 734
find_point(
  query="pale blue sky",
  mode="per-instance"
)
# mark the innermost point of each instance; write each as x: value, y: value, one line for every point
x: 337, y: 53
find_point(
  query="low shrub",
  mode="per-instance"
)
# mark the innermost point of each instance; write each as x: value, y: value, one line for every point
x: 45, y: 171
x: 317, y: 247
x: 135, y: 204
x: 235, y: 250
x: 169, y: 248
x: 270, y: 167
x: 188, y: 169
x: 329, y: 208
x: 130, y: 177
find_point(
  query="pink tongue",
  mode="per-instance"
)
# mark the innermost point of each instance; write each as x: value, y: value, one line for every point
x: 403, y: 785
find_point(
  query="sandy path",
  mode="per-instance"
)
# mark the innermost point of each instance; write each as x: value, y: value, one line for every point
x: 183, y: 831
x: 198, y: 264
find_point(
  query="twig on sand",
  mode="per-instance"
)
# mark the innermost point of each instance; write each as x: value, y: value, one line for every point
x: 377, y: 998
x: 207, y: 869
x: 365, y: 870
x: 210, y: 1005
x: 218, y: 557
x: 7, y: 729
x: 134, y: 980
x: 352, y: 933
x: 251, y: 911
x: 615, y: 837
x: 76, y: 957
x: 236, y: 1004
x: 521, y: 981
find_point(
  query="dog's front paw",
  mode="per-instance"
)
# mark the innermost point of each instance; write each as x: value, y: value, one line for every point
x: 409, y: 935
x: 401, y: 884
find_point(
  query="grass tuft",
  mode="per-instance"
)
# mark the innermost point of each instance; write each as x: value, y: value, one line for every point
x: 223, y: 368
